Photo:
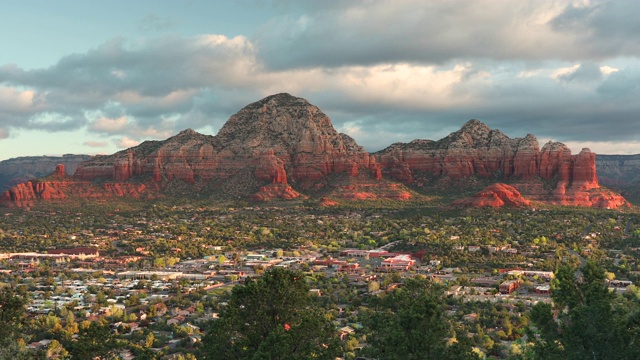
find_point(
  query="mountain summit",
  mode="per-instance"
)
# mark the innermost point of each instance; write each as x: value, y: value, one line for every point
x: 282, y: 146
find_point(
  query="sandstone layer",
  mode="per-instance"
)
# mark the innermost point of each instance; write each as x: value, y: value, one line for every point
x: 266, y: 148
x: 282, y: 147
x: 18, y: 170
x: 478, y: 151
x: 495, y: 195
x: 618, y: 170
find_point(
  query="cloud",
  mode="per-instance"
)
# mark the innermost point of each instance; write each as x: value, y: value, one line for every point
x: 583, y: 73
x: 95, y: 144
x: 435, y: 32
x: 601, y: 29
x: 15, y: 101
x: 384, y: 71
x: 156, y: 85
x: 4, y: 133
x: 602, y: 147
x: 111, y: 126
x: 126, y: 142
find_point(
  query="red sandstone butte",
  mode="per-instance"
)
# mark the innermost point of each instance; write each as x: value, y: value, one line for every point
x: 478, y: 151
x: 282, y: 146
x: 495, y: 195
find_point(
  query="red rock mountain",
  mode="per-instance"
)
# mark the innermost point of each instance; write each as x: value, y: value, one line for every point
x: 266, y: 147
x: 478, y: 151
x: 263, y: 150
x: 495, y: 195
x: 282, y: 147
x: 18, y: 170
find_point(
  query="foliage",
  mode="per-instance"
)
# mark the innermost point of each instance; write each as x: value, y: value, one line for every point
x: 271, y: 317
x: 94, y: 340
x: 410, y: 323
x: 591, y: 324
x: 12, y: 318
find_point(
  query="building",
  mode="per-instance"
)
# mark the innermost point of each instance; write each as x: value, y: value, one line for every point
x: 509, y: 286
x: 398, y: 262
x: 543, y: 289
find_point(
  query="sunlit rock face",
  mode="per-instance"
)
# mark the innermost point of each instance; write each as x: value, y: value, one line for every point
x: 478, y: 151
x: 22, y: 169
x: 280, y: 139
x: 281, y: 147
x: 495, y: 195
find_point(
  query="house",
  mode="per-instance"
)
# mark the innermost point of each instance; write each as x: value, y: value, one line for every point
x: 79, y: 252
x: 349, y: 268
x: 543, y: 289
x: 398, y: 262
x: 485, y: 281
x: 470, y: 317
x: 176, y: 320
x: 345, y: 332
x: 509, y: 286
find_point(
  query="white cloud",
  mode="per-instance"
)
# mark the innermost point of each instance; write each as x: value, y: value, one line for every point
x: 110, y: 126
x: 605, y: 147
x: 126, y: 142
x: 4, y: 133
x: 384, y: 70
x: 17, y: 101
x: 606, y: 70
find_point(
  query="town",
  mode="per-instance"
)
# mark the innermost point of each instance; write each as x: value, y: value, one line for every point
x: 157, y: 283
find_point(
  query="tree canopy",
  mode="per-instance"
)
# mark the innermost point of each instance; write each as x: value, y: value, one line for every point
x: 591, y: 321
x: 410, y: 323
x: 271, y: 317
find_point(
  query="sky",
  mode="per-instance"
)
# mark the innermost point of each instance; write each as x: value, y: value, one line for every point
x: 96, y: 77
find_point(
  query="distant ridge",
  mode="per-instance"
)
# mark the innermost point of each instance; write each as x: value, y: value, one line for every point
x: 17, y: 170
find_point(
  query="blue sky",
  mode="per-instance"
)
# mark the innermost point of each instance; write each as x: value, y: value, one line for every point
x: 96, y: 77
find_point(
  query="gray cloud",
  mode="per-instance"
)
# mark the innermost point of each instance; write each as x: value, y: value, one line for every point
x: 584, y: 73
x: 603, y: 29
x: 384, y: 71
x: 434, y: 32
x: 159, y: 86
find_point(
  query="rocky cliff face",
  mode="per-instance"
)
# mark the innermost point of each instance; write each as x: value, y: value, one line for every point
x: 281, y: 139
x: 495, y: 195
x: 59, y: 186
x: 478, y: 151
x: 618, y: 170
x: 22, y: 169
x: 266, y: 148
x: 474, y: 150
x: 282, y: 147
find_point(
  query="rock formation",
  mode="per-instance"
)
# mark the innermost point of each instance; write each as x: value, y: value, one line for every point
x: 266, y: 149
x: 618, y: 170
x: 282, y: 147
x: 18, y: 170
x: 478, y: 151
x: 495, y: 195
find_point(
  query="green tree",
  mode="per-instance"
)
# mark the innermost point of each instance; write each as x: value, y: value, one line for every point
x: 148, y: 341
x: 11, y: 312
x: 410, y: 323
x: 94, y: 340
x: 12, y: 317
x: 591, y: 323
x: 271, y: 317
x: 56, y: 351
